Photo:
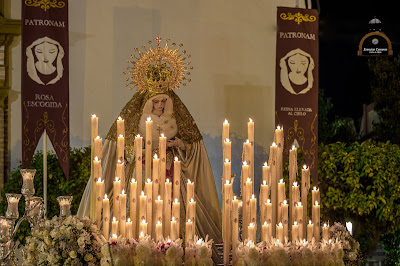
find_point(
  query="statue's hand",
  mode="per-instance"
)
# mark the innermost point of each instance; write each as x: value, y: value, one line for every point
x: 176, y: 143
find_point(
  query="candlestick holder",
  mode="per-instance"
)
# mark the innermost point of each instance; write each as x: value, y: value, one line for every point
x: 65, y: 205
x: 34, y: 212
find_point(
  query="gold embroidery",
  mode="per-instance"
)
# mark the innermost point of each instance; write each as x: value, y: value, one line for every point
x: 45, y: 4
x: 298, y: 17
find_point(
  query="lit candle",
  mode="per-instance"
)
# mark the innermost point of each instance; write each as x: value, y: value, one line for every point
x: 263, y: 199
x: 158, y: 230
x: 162, y: 147
x: 252, y: 232
x: 226, y: 236
x: 266, y: 169
x: 96, y: 171
x: 325, y: 232
x: 299, y: 219
x: 191, y: 213
x: 253, y: 210
x: 120, y: 148
x: 167, y: 208
x: 159, y: 211
x: 285, y: 218
x: 295, y: 232
x: 274, y: 185
x: 294, y: 198
x: 141, y: 235
x: 268, y: 205
x: 99, y: 198
x: 94, y: 127
x: 316, y: 220
x: 12, y: 207
x: 305, y: 186
x: 250, y: 136
x: 310, y: 229
x: 142, y: 207
x: 227, y: 171
x: 156, y: 175
x: 247, y: 157
x: 120, y: 172
x: 279, y: 232
x: 120, y: 126
x: 129, y: 229
x: 148, y: 186
x: 114, y: 238
x: 98, y: 143
x: 189, y: 192
x: 93, y: 174
x: 281, y: 198
x: 65, y: 205
x: 174, y: 229
x: 227, y: 149
x: 189, y: 231
x: 225, y: 130
x: 106, y: 217
x: 138, y: 162
x: 278, y: 138
x: 122, y: 220
x: 133, y: 207
x: 176, y: 212
x: 116, y: 198
x: 148, y: 147
x: 114, y: 227
x: 177, y: 178
x: 315, y: 195
x: 264, y: 232
x: 235, y: 227
x: 143, y: 227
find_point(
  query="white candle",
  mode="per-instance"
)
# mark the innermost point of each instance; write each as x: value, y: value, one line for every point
x: 189, y: 231
x: 235, y: 227
x: 149, y: 206
x: 114, y: 237
x: 120, y: 148
x: 177, y: 178
x: 116, y: 198
x: 285, y: 217
x: 122, y: 221
x: 299, y: 219
x: 133, y: 207
x: 281, y: 198
x: 138, y: 162
x: 295, y: 232
x: 129, y: 230
x: 143, y: 227
x: 106, y: 217
x: 310, y: 229
x: 174, y: 229
x: 252, y: 232
x: 227, y: 149
x: 98, y: 146
x: 263, y: 199
x: 120, y: 126
x: 274, y: 185
x: 325, y: 232
x: 316, y: 220
x: 225, y: 130
x: 167, y: 208
x: 305, y: 186
x: 158, y: 230
x: 114, y: 227
x: 250, y: 136
x: 142, y: 207
x: 148, y: 147
x: 279, y: 232
x: 99, y: 198
x: 162, y: 147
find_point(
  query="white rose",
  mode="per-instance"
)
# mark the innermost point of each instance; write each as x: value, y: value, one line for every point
x: 47, y: 223
x: 31, y: 247
x: 88, y: 257
x: 47, y: 240
x: 73, y: 254
x: 81, y: 241
x: 79, y: 226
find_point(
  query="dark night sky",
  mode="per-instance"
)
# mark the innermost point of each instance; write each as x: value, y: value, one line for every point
x: 343, y: 75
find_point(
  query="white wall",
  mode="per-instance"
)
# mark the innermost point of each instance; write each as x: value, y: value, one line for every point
x: 232, y: 43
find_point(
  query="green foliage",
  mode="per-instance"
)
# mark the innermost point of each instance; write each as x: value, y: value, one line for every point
x: 325, y: 105
x: 361, y: 182
x: 57, y: 184
x: 386, y: 95
x: 391, y: 244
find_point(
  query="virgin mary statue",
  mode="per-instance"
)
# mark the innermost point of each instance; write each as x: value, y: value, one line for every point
x: 156, y: 73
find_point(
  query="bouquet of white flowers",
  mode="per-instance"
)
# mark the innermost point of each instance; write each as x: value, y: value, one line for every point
x: 198, y: 252
x: 69, y: 241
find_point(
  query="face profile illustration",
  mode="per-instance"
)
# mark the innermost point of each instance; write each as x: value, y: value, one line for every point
x: 296, y: 72
x: 44, y: 61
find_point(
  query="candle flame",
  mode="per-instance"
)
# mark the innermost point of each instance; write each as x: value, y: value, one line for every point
x: 105, y: 197
x: 173, y: 218
x: 295, y: 184
x: 199, y: 241
x: 305, y: 167
x: 234, y: 198
x: 330, y: 240
x: 264, y: 182
x: 114, y: 219
x: 159, y: 197
x: 142, y: 195
x: 226, y: 122
x: 251, y: 225
x: 117, y: 179
x: 227, y: 160
x: 293, y: 147
x: 309, y: 222
x: 96, y: 159
x: 265, y: 223
x: 316, y: 203
x: 148, y: 181
x: 189, y: 182
x: 155, y: 156
x: 278, y: 128
x: 325, y: 225
x: 119, y: 118
x: 281, y: 181
x: 143, y: 221
x: 138, y: 136
x: 133, y: 180
x: 299, y: 204
x: 123, y: 192
x: 250, y: 120
x: 189, y: 221
x: 162, y: 135
x: 315, y: 189
x: 247, y: 141
x: 141, y: 234
x: 295, y: 222
x: 148, y: 119
x: 167, y: 180
x: 119, y: 161
x: 227, y: 182
x: 176, y: 159
x: 227, y: 140
x: 268, y: 201
x: 94, y: 116
x: 191, y: 200
x: 253, y: 197
x: 121, y: 136
x: 248, y: 180
x: 129, y: 220
x: 244, y: 163
x: 273, y: 144
x: 158, y: 223
x: 265, y: 164
x: 280, y: 224
x: 176, y: 200
x: 285, y: 202
x: 98, y: 137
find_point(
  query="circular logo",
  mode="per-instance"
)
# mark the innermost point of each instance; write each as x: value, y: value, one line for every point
x: 375, y: 41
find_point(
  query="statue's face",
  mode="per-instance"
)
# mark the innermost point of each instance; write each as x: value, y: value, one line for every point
x: 159, y: 103
x: 46, y: 52
x: 298, y: 64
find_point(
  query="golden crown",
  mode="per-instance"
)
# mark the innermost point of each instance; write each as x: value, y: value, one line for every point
x: 158, y: 69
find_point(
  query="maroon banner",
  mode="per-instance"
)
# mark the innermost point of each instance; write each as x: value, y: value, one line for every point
x: 296, y: 100
x: 45, y: 78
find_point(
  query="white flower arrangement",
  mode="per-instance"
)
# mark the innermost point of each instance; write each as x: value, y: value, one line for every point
x: 198, y: 252
x: 290, y: 253
x: 69, y: 241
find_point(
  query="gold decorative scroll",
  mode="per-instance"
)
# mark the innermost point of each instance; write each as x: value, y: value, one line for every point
x: 298, y: 17
x: 45, y: 4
